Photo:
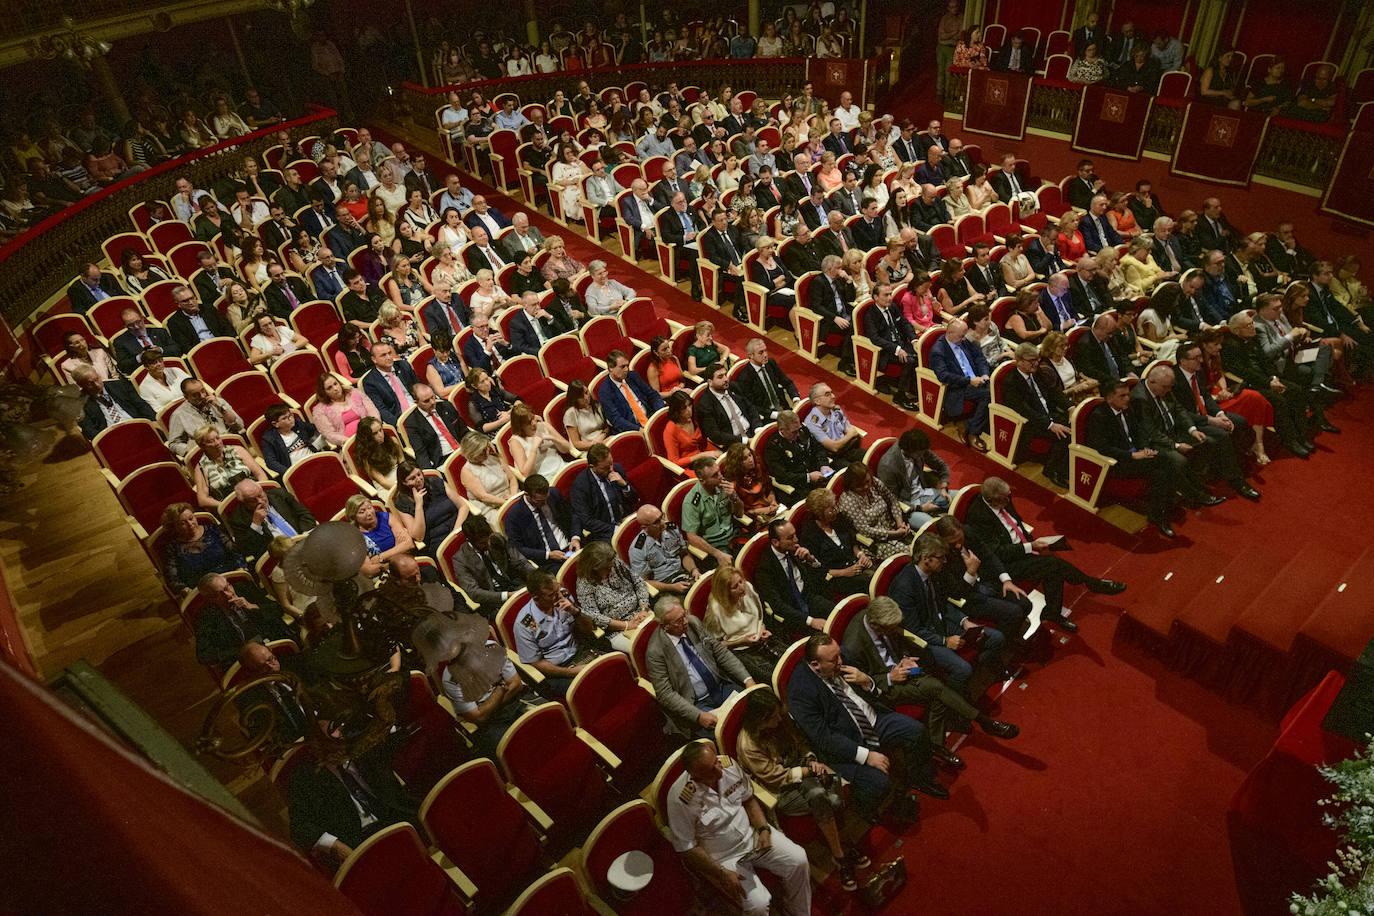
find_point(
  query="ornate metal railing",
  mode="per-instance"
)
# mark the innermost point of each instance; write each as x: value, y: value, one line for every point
x: 1053, y: 107
x: 47, y: 257
x: 1161, y: 131
x: 1301, y: 155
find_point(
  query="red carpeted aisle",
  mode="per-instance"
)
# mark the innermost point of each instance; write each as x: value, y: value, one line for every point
x: 1113, y: 799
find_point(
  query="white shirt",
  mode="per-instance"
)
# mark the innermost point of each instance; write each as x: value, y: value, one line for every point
x: 738, y: 425
x: 849, y: 117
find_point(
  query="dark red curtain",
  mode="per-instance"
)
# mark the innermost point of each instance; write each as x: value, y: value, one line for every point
x: 1017, y: 14
x: 92, y: 828
x: 1350, y: 193
x: 1298, y: 32
x: 1149, y: 16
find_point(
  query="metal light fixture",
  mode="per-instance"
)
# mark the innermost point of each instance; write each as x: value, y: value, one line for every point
x: 71, y: 45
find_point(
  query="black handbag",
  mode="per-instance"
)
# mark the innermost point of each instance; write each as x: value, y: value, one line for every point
x: 885, y: 883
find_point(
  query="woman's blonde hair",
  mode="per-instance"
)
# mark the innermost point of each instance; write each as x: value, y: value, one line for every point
x: 475, y: 447
x: 720, y: 583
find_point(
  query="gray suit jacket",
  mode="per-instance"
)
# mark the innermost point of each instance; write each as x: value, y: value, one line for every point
x: 474, y: 578
x: 668, y: 673
x: 892, y: 471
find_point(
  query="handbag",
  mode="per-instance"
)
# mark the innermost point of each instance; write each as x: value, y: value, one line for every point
x: 885, y: 883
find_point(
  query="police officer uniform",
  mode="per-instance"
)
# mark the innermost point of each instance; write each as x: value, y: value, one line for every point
x: 710, y: 516
x: 714, y: 818
x: 551, y: 637
x: 659, y: 560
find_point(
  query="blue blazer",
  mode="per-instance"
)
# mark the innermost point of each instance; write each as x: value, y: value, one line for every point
x: 1215, y: 306
x: 618, y: 413
x: 931, y: 624
x: 274, y: 453
x: 380, y: 393
x: 946, y: 368
x: 823, y: 719
x: 475, y: 356
x: 1090, y: 239
x: 522, y: 531
x: 590, y: 515
x: 327, y: 287
x: 501, y: 220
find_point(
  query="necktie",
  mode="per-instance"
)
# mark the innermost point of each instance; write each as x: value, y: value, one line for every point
x: 806, y: 182
x: 1173, y: 259
x: 707, y: 678
x: 550, y: 539
x: 498, y: 577
x: 987, y: 276
x: 890, y: 644
x: 839, y: 300
x: 963, y: 361
x: 359, y: 790
x: 734, y: 256
x: 612, y: 501
x: 1061, y: 309
x: 1126, y: 428
x: 1015, y: 185
x: 402, y: 398
x: 1035, y: 389
x: 290, y: 296
x: 866, y: 729
x: 1163, y: 412
x: 1016, y: 533
x: 1197, y: 395
x: 634, y: 404
x: 769, y: 389
x: 442, y: 429
x: 1101, y: 236
x: 1111, y: 360
x: 279, y: 524
x: 143, y: 339
x: 797, y: 595
x: 454, y: 323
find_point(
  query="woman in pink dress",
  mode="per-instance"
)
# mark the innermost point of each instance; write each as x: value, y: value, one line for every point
x: 339, y: 410
x: 917, y: 304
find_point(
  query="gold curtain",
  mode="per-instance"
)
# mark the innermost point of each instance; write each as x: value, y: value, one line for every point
x: 1206, y: 36
x: 974, y: 11
x: 1359, y: 52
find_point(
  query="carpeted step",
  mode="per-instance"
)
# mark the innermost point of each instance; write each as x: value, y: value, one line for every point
x: 1342, y: 622
x: 1280, y: 610
x: 1223, y: 599
x: 1163, y: 584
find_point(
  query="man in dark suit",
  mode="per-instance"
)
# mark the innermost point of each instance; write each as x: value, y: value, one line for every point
x: 1214, y: 230
x: 723, y: 412
x: 801, y: 181
x: 920, y: 252
x: 1015, y: 56
x: 814, y: 209
x: 837, y: 141
x: 601, y: 496
x: 931, y: 136
x: 107, y: 403
x: 1337, y: 323
x: 1170, y: 426
x: 805, y: 253
x: 956, y: 163
x: 1057, y: 304
x: 211, y: 279
x: 847, y: 725
x: 433, y: 429
x: 328, y: 802
x: 488, y: 567
x: 902, y: 673
x: 389, y: 383
x: 327, y: 277
x: 1095, y: 356
x: 724, y: 248
x: 284, y: 294
x: 278, y: 228
x: 1260, y: 362
x: 960, y: 366
x: 995, y: 521
x: 794, y: 458
x: 669, y: 185
x: 539, y: 525
x: 1113, y: 431
x: 1085, y: 185
x: 681, y: 227
x: 1046, y: 413
x: 482, y: 255
x: 486, y: 216
x: 763, y: 382
x: 848, y: 198
x: 907, y: 145
x: 1088, y: 289
x: 1121, y: 47
x: 896, y: 339
x: 1166, y: 250
x: 973, y: 573
x: 615, y: 391
x: 191, y: 324
x: 1009, y: 182
x: 1090, y: 33
x: 870, y: 232
x: 319, y: 219
x: 637, y: 209
x: 262, y: 514
x: 346, y: 235
x: 286, y: 437
x: 1192, y: 390
x: 982, y: 276
x: 229, y: 619
x: 792, y: 582
x: 92, y: 286
x: 532, y: 326
x: 485, y: 348
x: 767, y: 192
x: 1043, y: 252
x: 928, y: 210
x: 444, y: 311
x: 832, y: 297
x: 926, y: 612
x: 1096, y: 228
x: 421, y: 178
x: 136, y: 337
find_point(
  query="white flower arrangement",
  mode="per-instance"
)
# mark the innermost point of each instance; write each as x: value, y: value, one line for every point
x: 1348, y: 890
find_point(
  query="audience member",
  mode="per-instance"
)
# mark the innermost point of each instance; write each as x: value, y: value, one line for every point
x: 692, y: 673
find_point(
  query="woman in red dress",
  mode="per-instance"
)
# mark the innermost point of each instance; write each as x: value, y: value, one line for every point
x: 683, y: 440
x: 1071, y: 245
x: 665, y: 372
x: 1231, y: 397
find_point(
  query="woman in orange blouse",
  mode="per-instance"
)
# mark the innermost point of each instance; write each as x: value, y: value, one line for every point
x: 682, y: 439
x: 1071, y: 245
x: 741, y: 468
x: 665, y: 372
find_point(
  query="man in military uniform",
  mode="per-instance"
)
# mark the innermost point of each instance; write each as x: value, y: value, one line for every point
x: 708, y: 516
x: 659, y: 554
x: 546, y: 634
x: 795, y: 459
x: 720, y: 829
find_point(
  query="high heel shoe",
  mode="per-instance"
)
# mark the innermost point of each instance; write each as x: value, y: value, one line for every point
x: 1261, y: 460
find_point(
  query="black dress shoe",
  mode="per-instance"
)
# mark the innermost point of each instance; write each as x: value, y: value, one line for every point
x: 1106, y: 586
x: 1057, y: 480
x: 999, y: 729
x: 1323, y: 388
x: 1203, y: 500
x: 847, y: 369
x: 1061, y: 622
x: 1327, y: 426
x: 1246, y: 491
x: 947, y: 758
x: 906, y: 403
x: 1163, y: 527
x: 932, y: 788
x: 1298, y: 449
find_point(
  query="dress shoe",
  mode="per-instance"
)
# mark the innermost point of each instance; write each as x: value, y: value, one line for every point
x: 1106, y: 586
x: 1203, y: 499
x: 930, y: 787
x: 1327, y: 426
x: 846, y: 872
x: 906, y: 403
x: 741, y: 315
x: 1061, y: 622
x: 947, y: 758
x: 1246, y: 491
x: 1298, y: 448
x: 976, y: 443
x: 999, y: 729
x: 856, y: 858
x: 1057, y: 480
x: 1163, y: 527
x: 847, y: 369
x: 1330, y: 390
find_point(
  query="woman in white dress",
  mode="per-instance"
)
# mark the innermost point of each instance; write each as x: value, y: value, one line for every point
x: 488, y: 482
x: 452, y: 232
x: 566, y: 178
x: 392, y: 189
x: 270, y: 341
x: 534, y: 448
x: 162, y: 385
x: 488, y: 297
x: 583, y: 420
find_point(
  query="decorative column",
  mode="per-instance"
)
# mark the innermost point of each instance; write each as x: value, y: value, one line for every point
x: 1359, y: 51
x: 531, y: 24
x: 755, y: 18
x: 974, y: 11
